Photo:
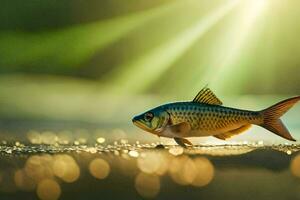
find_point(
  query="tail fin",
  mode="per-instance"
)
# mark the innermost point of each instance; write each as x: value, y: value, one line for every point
x: 272, y: 114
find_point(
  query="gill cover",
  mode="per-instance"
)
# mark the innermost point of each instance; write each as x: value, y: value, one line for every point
x: 153, y: 121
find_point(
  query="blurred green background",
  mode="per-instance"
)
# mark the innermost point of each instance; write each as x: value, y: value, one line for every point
x: 101, y: 62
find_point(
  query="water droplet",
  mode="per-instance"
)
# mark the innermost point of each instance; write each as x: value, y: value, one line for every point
x: 100, y: 140
x: 133, y: 153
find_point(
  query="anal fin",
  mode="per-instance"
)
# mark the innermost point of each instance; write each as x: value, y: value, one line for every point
x: 229, y: 134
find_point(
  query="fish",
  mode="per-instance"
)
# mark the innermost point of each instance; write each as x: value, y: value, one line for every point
x: 205, y: 115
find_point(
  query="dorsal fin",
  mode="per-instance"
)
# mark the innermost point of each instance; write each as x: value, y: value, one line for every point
x: 207, y: 96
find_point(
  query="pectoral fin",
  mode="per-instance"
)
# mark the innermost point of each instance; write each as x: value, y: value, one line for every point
x: 224, y: 136
x: 181, y: 129
x: 182, y: 142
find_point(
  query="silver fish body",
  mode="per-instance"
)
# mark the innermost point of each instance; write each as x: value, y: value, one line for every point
x: 208, y: 120
x: 205, y: 116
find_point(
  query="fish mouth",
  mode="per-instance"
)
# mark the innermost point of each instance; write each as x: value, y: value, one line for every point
x: 138, y: 124
x: 141, y: 125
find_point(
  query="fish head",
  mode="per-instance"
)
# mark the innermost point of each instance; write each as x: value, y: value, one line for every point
x: 153, y: 121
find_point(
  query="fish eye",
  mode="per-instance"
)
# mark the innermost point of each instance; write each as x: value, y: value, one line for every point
x: 148, y: 116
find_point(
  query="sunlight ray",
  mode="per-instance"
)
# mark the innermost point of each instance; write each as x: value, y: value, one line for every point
x: 138, y: 75
x: 220, y: 71
x: 71, y: 46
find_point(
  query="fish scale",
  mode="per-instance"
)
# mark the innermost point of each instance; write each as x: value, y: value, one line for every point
x: 209, y: 117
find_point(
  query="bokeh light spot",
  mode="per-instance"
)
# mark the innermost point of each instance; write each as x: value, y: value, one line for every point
x: 48, y: 189
x: 100, y: 140
x: 295, y: 166
x: 151, y: 162
x: 66, y: 168
x: 23, y: 181
x: 39, y: 167
x: 133, y: 153
x: 147, y: 185
x: 99, y: 168
x: 205, y: 172
x: 176, y: 151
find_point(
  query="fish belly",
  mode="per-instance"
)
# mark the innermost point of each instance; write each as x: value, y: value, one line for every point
x: 206, y: 132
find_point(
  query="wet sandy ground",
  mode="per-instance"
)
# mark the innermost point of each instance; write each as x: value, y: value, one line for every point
x: 123, y: 170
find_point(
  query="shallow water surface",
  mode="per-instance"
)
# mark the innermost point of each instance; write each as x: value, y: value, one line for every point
x: 139, y: 171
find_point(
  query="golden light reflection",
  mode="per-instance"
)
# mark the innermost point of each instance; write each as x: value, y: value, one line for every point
x: 151, y: 162
x: 39, y: 167
x: 182, y: 170
x: 66, y: 168
x: 295, y: 166
x: 186, y: 171
x: 48, y: 137
x: 163, y: 167
x: 133, y: 153
x: 82, y: 136
x: 147, y: 166
x: 39, y: 173
x: 176, y: 151
x: 91, y: 150
x: 98, y: 135
x: 99, y: 168
x: 147, y: 185
x: 64, y: 137
x: 48, y: 189
x: 222, y: 150
x: 205, y: 172
x: 189, y: 171
x: 23, y: 181
x: 100, y: 140
x: 34, y: 137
